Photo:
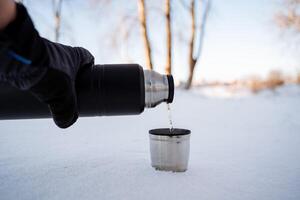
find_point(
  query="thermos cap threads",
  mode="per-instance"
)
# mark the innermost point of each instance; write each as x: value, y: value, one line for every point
x: 171, y: 89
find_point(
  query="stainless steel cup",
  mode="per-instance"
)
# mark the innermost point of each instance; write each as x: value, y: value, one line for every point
x: 170, y: 149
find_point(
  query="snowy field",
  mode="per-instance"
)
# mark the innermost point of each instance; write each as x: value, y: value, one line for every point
x: 241, y: 148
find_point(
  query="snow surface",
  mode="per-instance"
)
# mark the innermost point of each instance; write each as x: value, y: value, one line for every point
x: 241, y: 148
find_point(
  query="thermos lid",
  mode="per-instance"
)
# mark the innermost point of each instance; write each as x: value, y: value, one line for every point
x: 169, y: 132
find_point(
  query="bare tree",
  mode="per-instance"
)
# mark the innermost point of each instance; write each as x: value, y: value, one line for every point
x: 195, y: 52
x: 57, y: 7
x: 168, y: 12
x: 128, y: 21
x: 289, y: 17
x: 145, y: 33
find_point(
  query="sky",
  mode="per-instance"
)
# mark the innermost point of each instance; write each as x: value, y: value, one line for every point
x: 241, y: 38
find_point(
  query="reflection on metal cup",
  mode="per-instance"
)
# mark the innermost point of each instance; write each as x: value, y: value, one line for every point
x: 170, y: 149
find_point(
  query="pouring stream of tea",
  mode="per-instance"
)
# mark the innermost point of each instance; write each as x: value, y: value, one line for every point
x: 170, y: 117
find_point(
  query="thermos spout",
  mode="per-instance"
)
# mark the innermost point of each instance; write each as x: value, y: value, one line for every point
x: 158, y: 88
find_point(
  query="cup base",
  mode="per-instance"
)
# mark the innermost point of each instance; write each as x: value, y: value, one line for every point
x: 166, y: 168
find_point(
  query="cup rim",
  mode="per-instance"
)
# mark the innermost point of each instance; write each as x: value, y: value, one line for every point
x: 166, y: 131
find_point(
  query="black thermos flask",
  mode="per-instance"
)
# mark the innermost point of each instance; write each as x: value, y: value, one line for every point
x: 102, y: 90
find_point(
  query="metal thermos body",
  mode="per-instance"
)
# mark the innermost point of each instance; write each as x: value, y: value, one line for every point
x: 102, y: 90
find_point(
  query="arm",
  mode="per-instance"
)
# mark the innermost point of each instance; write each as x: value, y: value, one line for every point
x: 48, y: 70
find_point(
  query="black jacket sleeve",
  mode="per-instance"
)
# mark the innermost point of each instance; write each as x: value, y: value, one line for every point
x: 25, y: 57
x: 46, y: 69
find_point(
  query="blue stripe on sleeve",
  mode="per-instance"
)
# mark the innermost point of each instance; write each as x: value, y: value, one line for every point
x: 19, y: 58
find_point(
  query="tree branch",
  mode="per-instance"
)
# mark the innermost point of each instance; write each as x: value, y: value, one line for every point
x: 289, y: 18
x: 202, y: 29
x: 185, y: 4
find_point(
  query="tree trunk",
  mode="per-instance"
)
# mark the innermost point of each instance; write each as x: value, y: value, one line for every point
x: 145, y: 33
x: 192, y: 61
x: 168, y: 68
x: 193, y: 57
x: 57, y: 5
x: 191, y: 75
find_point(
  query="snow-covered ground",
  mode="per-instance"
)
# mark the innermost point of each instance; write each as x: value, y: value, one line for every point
x: 241, y: 148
